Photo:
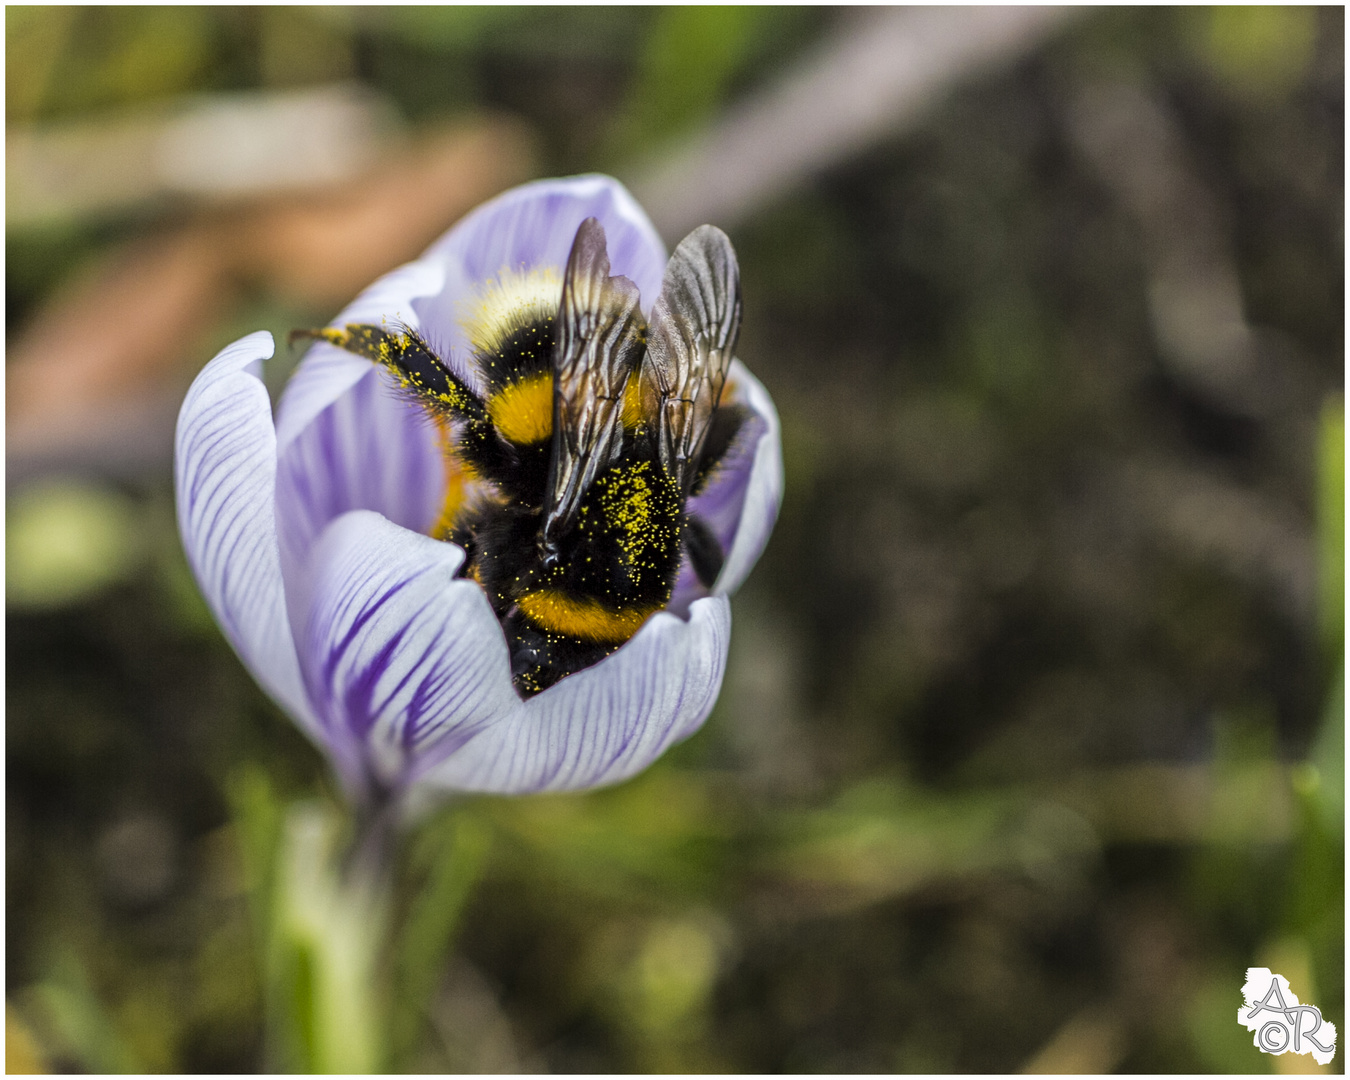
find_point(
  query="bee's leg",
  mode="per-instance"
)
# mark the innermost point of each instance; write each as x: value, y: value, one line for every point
x: 429, y: 382
x: 705, y: 553
x: 413, y: 362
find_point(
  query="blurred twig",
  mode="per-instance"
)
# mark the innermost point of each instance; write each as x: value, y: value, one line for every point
x: 876, y: 78
x: 1195, y: 296
x: 213, y: 147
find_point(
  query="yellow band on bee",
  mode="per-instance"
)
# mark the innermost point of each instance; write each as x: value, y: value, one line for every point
x: 523, y: 411
x: 455, y: 482
x: 582, y: 617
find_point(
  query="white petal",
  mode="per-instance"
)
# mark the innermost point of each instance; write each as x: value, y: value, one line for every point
x: 741, y: 501
x: 225, y: 473
x: 607, y: 722
x: 402, y: 660
x: 763, y: 491
x: 534, y: 226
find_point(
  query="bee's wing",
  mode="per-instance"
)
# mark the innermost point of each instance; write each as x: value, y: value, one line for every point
x: 599, y: 342
x: 693, y: 332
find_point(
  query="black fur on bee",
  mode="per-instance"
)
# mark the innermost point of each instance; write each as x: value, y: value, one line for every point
x: 590, y: 433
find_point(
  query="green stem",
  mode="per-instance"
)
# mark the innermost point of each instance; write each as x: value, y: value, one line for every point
x: 331, y: 923
x: 371, y: 856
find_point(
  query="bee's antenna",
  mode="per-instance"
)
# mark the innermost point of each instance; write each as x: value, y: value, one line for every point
x: 297, y: 335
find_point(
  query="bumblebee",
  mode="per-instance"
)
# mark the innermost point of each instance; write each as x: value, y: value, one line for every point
x: 592, y: 431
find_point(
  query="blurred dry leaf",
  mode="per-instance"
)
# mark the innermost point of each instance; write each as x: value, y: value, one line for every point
x: 94, y: 371
x: 96, y: 377
x: 321, y: 251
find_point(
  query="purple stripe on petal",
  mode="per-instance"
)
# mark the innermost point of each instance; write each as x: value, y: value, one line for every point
x: 397, y: 653
x: 371, y: 449
x: 225, y: 472
x: 608, y: 722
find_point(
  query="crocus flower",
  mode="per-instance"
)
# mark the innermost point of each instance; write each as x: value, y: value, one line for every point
x: 310, y: 536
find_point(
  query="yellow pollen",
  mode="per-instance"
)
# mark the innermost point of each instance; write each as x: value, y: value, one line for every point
x: 627, y: 507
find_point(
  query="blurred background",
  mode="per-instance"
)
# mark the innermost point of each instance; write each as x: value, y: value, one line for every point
x: 1031, y: 740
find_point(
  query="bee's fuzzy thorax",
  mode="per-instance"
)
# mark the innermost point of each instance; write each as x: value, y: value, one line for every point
x: 514, y: 298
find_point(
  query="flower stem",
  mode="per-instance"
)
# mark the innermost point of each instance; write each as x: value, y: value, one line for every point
x: 331, y: 922
x: 369, y: 861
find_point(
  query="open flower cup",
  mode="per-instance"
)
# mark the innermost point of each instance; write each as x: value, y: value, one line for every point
x: 310, y: 536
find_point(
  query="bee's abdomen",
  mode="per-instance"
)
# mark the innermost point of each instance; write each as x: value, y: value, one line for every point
x: 540, y: 659
x: 624, y: 548
x: 501, y: 540
x: 611, y: 571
